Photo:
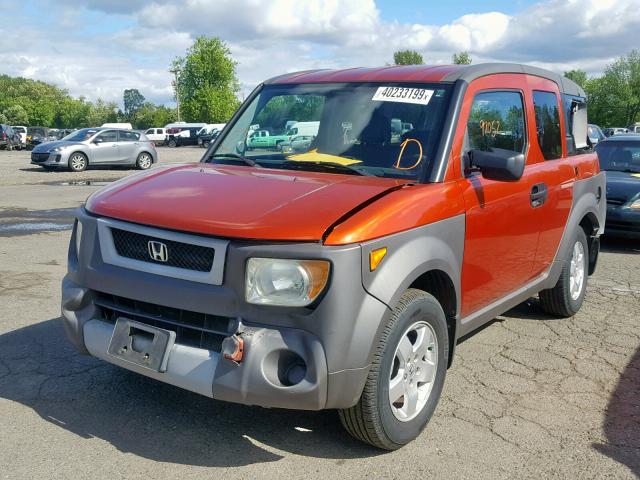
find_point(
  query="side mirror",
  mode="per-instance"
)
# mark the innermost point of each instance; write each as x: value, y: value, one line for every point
x: 498, y: 164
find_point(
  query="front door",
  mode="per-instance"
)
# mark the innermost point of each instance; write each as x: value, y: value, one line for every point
x: 500, y: 238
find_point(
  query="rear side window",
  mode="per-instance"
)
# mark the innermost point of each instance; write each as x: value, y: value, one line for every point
x: 497, y: 121
x: 129, y: 136
x: 548, y: 124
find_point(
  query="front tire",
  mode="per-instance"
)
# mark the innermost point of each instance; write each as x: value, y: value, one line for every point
x: 406, y: 376
x: 566, y: 297
x: 144, y: 161
x: 78, y: 162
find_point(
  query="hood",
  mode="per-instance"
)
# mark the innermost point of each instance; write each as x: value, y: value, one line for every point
x: 237, y: 201
x: 48, y: 146
x: 622, y: 186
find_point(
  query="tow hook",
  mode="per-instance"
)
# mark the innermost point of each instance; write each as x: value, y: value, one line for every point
x: 233, y: 346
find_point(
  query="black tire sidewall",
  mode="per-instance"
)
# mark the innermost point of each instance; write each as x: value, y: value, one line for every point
x: 428, y: 310
x: 574, y: 305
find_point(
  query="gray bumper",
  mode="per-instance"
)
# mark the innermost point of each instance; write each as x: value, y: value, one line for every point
x: 335, y: 339
x: 57, y: 159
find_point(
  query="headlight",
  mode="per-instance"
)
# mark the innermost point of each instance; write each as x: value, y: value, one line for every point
x: 57, y: 149
x: 635, y: 204
x: 78, y: 237
x: 291, y: 283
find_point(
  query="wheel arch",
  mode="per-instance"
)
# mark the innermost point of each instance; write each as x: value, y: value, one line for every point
x: 591, y: 227
x: 153, y: 159
x: 440, y: 285
x: 428, y: 258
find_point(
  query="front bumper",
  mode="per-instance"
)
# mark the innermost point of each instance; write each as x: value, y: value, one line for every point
x: 622, y: 222
x: 333, y: 341
x: 49, y: 159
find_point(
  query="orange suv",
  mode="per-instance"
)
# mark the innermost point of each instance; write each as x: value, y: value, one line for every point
x: 341, y: 277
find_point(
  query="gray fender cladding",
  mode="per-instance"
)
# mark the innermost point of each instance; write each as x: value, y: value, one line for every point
x: 589, y: 197
x: 437, y: 246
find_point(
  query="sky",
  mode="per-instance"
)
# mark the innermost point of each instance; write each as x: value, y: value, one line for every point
x: 98, y: 48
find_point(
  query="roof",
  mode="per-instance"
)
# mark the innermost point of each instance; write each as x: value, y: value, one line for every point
x: 425, y: 73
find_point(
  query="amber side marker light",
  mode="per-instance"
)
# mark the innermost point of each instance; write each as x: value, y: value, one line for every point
x: 376, y: 256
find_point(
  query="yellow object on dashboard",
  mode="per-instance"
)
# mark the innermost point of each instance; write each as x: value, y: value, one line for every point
x: 314, y: 156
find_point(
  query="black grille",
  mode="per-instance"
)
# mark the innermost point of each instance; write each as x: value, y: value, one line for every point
x: 39, y: 157
x: 193, y: 329
x: 180, y: 255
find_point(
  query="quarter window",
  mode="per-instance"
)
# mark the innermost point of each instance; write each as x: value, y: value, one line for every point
x: 548, y: 124
x: 497, y: 121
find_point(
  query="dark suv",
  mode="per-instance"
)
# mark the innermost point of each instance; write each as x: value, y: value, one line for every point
x: 9, y: 139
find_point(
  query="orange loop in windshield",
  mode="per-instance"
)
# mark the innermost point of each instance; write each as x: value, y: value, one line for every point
x: 403, y: 145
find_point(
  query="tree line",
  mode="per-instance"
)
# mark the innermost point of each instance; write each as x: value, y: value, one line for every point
x: 614, y: 96
x: 32, y: 102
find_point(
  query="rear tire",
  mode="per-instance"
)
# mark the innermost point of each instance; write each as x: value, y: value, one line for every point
x: 566, y: 297
x: 78, y: 162
x: 172, y: 144
x: 409, y: 365
x: 144, y: 161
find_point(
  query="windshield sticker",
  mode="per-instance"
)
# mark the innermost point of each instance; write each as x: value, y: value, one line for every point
x: 420, y: 96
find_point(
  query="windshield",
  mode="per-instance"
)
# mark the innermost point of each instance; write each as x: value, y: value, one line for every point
x: 621, y: 156
x: 80, y: 135
x: 389, y: 130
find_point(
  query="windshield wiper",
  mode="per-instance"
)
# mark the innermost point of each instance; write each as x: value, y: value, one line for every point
x: 330, y: 166
x: 235, y: 156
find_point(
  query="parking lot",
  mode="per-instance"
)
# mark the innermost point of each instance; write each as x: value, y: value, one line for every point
x: 528, y: 396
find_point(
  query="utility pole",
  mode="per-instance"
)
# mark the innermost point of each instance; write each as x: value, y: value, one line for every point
x: 174, y: 83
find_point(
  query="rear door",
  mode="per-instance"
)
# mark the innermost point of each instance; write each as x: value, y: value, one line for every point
x: 104, y: 148
x: 553, y: 169
x: 129, y: 144
x: 501, y: 236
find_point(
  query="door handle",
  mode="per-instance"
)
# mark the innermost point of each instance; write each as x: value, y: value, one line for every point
x: 114, y: 145
x: 538, y: 194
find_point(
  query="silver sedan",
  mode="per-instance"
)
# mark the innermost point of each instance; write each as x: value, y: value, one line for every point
x: 96, y: 146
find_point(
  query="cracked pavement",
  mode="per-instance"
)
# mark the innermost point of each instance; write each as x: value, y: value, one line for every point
x: 528, y: 396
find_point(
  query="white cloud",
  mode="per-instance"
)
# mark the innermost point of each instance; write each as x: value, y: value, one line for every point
x: 271, y: 37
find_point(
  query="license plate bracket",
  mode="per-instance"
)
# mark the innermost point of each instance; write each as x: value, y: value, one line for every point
x: 143, y: 345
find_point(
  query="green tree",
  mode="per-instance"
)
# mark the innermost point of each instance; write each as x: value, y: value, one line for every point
x: 207, y: 85
x: 102, y: 112
x: 3, y: 119
x: 16, y: 115
x: 407, y: 57
x: 133, y: 101
x: 578, y: 76
x: 461, y: 58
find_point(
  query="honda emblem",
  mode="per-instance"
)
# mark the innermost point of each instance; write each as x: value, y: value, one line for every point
x: 158, y: 251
